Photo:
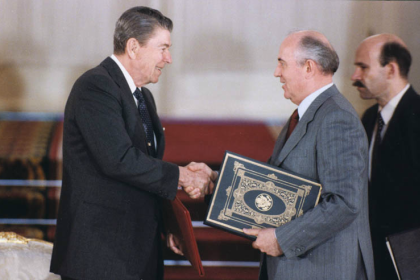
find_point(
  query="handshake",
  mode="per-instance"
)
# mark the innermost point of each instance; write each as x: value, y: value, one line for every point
x: 197, y: 179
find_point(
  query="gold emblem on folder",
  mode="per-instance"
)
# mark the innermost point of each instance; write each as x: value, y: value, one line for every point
x: 264, y: 202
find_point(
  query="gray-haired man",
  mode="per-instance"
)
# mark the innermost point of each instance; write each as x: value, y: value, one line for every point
x: 109, y: 220
x: 328, y: 144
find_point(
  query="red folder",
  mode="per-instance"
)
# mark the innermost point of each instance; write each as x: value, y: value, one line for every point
x: 178, y: 222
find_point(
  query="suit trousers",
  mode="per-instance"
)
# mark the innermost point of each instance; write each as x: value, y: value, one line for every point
x: 154, y: 267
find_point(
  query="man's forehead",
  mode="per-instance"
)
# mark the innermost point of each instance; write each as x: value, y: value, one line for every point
x: 285, y: 51
x: 282, y: 57
x: 161, y: 37
x: 373, y: 44
x: 368, y: 51
x: 362, y: 51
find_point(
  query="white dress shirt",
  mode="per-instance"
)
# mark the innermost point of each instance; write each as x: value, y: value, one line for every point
x: 131, y: 84
x: 304, y: 105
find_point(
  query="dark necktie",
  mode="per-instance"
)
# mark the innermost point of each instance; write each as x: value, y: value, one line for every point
x: 378, y: 139
x: 294, y: 119
x: 145, y: 117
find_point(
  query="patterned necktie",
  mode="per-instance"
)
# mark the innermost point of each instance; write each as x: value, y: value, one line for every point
x: 294, y: 119
x: 378, y: 139
x: 145, y: 117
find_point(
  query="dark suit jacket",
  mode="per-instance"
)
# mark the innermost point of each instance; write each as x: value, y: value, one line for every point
x: 394, y: 190
x: 331, y: 241
x: 109, y: 208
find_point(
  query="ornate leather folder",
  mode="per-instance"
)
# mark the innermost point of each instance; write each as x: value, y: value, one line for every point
x: 178, y: 222
x: 253, y: 194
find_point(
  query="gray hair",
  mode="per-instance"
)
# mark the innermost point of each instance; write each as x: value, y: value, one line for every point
x: 324, y: 55
x: 139, y: 23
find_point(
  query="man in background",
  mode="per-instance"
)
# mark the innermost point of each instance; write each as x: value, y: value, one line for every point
x: 109, y: 221
x: 324, y: 140
x: 393, y: 129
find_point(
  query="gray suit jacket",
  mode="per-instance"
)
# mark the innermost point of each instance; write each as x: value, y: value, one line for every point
x: 332, y: 241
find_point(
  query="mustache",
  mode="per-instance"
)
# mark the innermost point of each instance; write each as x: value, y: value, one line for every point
x: 358, y: 84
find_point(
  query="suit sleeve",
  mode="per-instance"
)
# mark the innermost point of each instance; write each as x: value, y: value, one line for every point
x: 341, y: 162
x: 99, y: 117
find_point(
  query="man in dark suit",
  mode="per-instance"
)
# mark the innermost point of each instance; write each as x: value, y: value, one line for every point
x: 393, y: 129
x: 109, y: 221
x: 323, y: 140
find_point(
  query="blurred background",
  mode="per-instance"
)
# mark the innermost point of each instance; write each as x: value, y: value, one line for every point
x: 224, y: 51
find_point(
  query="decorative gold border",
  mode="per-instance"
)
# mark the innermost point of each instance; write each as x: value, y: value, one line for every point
x: 258, y: 217
x: 216, y: 190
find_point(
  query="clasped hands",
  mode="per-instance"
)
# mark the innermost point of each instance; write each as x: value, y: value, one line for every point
x: 197, y: 179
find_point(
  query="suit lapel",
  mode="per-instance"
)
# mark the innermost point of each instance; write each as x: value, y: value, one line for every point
x: 393, y: 133
x: 118, y: 76
x: 279, y: 144
x: 301, y: 128
x: 139, y: 135
x: 369, y: 120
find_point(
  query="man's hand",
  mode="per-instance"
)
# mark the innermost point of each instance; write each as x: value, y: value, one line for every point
x: 195, y: 184
x: 194, y: 166
x: 173, y: 243
x: 202, y: 167
x: 266, y: 241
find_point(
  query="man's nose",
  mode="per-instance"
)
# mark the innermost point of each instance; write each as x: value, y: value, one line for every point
x: 356, y: 75
x: 168, y: 58
x: 277, y: 72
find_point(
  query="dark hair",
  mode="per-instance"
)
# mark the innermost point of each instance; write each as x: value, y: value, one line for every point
x: 398, y: 53
x: 138, y: 23
x: 324, y: 55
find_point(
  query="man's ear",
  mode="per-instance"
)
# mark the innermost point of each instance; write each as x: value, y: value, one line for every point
x: 392, y: 70
x: 132, y: 48
x: 310, y: 68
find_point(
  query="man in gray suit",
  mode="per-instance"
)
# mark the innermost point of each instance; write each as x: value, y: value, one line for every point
x: 328, y: 144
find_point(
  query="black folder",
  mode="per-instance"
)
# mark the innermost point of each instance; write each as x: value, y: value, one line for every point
x: 404, y: 248
x: 253, y: 194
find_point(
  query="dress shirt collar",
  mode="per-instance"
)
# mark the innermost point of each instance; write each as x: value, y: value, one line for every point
x: 304, y: 105
x: 388, y: 110
x: 127, y: 76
